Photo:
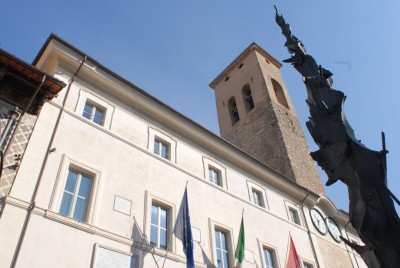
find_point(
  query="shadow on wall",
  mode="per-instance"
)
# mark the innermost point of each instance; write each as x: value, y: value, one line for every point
x: 139, y: 237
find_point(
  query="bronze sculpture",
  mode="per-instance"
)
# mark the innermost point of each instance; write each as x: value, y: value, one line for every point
x: 344, y: 158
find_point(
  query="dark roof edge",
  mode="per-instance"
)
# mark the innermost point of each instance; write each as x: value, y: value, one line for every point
x: 32, y: 68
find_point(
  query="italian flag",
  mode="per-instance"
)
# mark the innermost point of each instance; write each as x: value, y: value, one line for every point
x: 239, y: 254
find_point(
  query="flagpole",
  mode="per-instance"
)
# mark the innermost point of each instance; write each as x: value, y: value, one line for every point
x: 288, y: 249
x: 240, y: 247
x: 169, y: 242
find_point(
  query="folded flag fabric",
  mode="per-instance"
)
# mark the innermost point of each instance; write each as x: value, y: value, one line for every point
x: 183, y: 230
x: 293, y: 260
x: 239, y: 254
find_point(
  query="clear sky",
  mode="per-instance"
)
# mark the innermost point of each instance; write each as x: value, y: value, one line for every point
x: 173, y: 49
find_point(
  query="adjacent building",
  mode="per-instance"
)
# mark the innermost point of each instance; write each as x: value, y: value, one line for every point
x: 102, y: 177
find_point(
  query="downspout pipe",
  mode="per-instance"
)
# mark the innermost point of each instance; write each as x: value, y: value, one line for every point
x: 308, y: 230
x: 35, y: 190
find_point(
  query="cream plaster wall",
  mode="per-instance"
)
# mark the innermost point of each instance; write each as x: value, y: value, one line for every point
x: 118, y: 156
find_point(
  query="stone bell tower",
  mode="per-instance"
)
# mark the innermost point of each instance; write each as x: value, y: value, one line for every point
x: 255, y: 114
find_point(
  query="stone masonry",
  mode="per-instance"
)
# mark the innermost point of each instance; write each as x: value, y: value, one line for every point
x: 270, y: 132
x: 273, y: 136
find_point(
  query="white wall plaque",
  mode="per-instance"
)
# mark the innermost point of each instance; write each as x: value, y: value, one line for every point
x: 122, y: 205
x: 248, y: 256
x: 196, y: 234
x: 106, y: 258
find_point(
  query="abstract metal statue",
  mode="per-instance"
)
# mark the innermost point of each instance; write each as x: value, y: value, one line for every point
x: 344, y: 158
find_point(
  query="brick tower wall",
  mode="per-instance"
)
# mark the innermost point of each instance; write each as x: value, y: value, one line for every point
x: 271, y: 131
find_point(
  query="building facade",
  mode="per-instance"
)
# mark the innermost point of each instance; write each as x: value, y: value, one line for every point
x: 102, y: 177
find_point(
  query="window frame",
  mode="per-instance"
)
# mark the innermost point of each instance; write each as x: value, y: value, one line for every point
x: 85, y: 95
x: 75, y: 195
x: 259, y: 201
x: 162, y: 144
x: 151, y: 199
x: 159, y: 226
x: 157, y: 135
x: 213, y: 226
x: 222, y: 246
x: 94, y: 108
x: 272, y: 255
x: 209, y: 163
x: 294, y: 215
x: 214, y: 175
x: 291, y: 206
x: 264, y: 245
x: 251, y: 186
x: 68, y: 163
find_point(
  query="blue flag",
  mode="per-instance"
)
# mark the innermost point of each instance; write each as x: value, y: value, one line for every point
x: 183, y: 230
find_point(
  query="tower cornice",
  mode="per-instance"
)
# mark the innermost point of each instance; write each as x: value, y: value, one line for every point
x: 252, y: 47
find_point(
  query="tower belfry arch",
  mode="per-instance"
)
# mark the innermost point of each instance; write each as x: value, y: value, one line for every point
x: 270, y: 130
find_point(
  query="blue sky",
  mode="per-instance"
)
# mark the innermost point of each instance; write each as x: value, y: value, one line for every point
x: 174, y: 49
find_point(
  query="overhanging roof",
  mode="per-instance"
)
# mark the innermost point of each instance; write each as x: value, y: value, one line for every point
x: 20, y: 84
x: 29, y: 73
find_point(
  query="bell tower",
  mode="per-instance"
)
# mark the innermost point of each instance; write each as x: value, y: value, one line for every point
x: 255, y: 114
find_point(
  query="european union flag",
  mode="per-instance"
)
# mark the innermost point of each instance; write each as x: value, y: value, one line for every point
x: 183, y: 230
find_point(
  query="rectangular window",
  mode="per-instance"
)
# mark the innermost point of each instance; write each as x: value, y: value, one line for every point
x: 94, y: 113
x: 161, y: 148
x: 159, y: 226
x: 221, y: 246
x: 214, y: 176
x: 76, y: 196
x: 269, y: 257
x: 294, y: 216
x: 258, y: 198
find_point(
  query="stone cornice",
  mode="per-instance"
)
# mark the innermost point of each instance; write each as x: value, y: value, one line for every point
x: 252, y: 47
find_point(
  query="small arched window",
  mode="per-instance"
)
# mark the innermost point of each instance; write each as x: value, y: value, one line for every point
x: 247, y: 97
x: 280, y: 96
x: 233, y: 111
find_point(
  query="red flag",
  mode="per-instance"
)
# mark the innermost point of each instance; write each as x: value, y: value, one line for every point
x: 293, y: 260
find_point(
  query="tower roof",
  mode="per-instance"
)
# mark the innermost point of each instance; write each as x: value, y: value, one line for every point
x: 252, y: 47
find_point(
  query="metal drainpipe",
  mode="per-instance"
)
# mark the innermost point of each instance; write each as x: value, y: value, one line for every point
x: 348, y: 238
x: 308, y: 229
x: 35, y: 190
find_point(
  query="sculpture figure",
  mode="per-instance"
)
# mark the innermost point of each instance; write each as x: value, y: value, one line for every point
x: 343, y: 157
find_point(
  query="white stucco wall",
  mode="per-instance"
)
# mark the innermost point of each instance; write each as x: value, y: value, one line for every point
x: 118, y: 155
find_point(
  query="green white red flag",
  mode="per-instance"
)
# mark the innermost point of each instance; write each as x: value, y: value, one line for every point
x: 239, y: 254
